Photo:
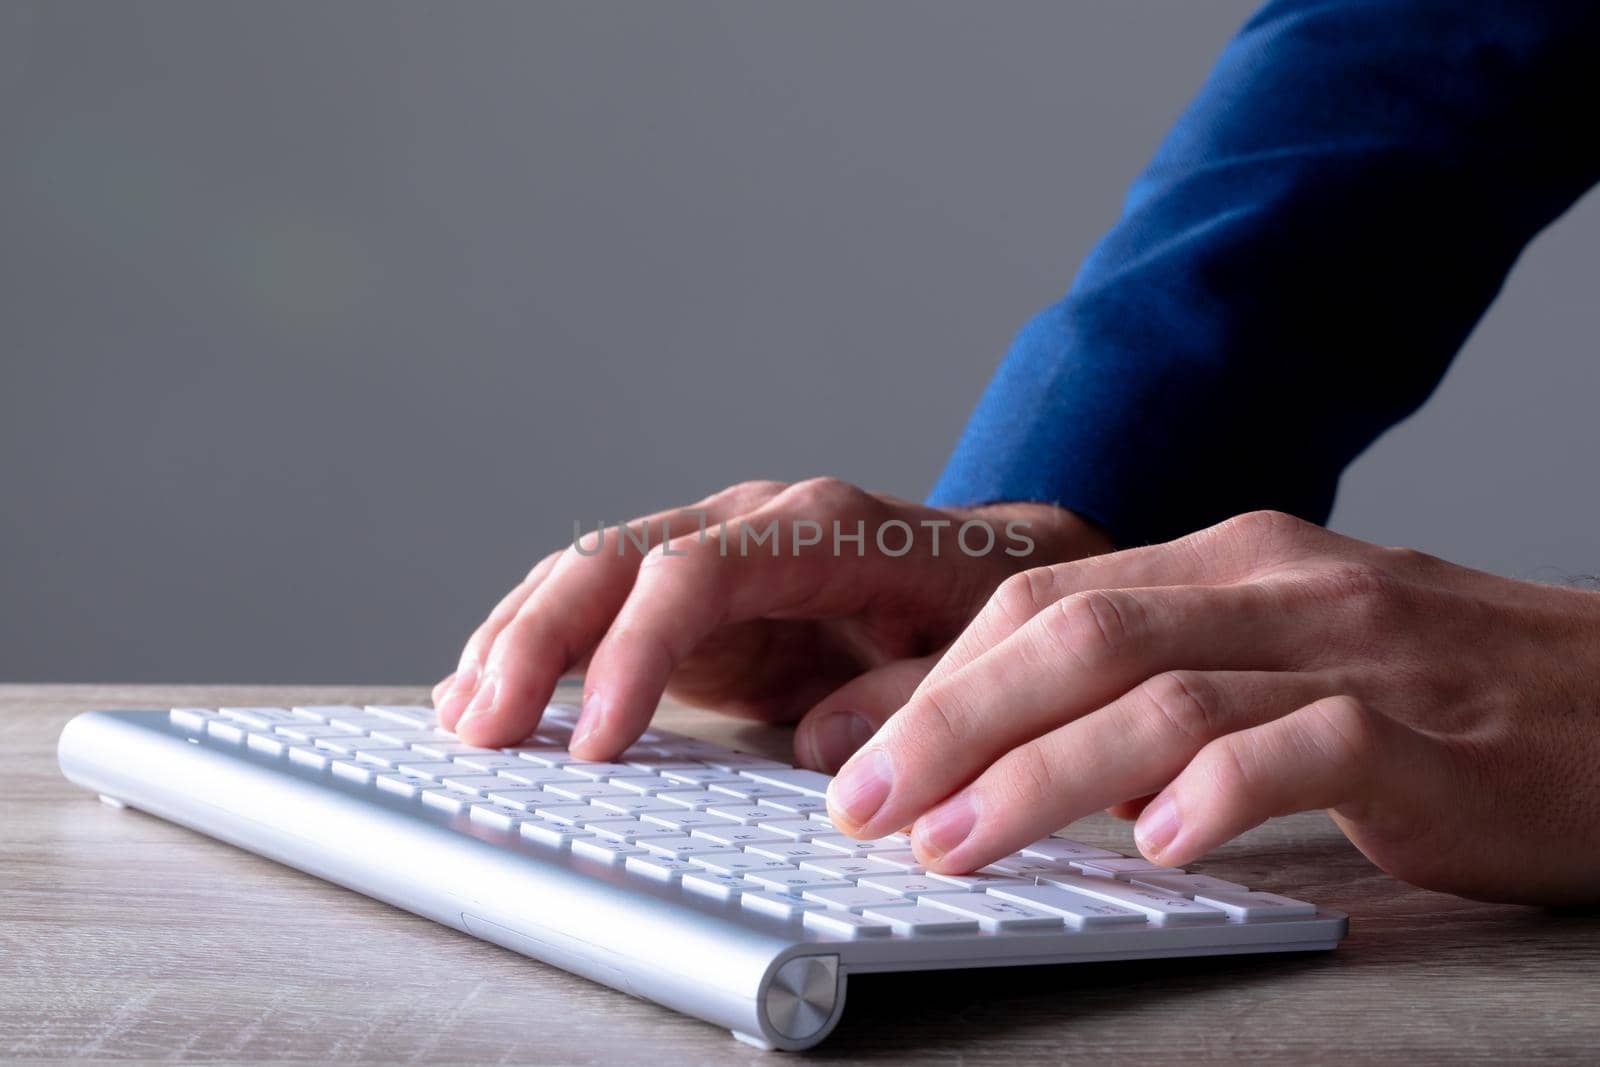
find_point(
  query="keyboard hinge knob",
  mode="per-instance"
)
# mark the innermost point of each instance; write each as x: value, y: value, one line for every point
x: 802, y: 995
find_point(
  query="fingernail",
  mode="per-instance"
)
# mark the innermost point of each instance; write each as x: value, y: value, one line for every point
x: 835, y: 738
x: 589, y: 721
x: 466, y: 680
x: 482, y: 701
x: 862, y: 786
x: 946, y: 826
x: 1157, y: 826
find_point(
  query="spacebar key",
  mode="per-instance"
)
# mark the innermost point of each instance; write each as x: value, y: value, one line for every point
x: 811, y: 783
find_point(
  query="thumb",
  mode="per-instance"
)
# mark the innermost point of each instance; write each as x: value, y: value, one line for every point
x: 831, y: 732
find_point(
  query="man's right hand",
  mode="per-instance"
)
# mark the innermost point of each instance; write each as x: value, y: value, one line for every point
x: 837, y: 634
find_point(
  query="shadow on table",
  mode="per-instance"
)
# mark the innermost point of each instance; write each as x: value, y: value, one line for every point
x: 893, y: 1015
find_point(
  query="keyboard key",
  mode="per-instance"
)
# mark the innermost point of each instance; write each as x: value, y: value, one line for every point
x: 354, y: 719
x: 425, y: 768
x: 745, y: 814
x: 630, y: 830
x: 977, y: 882
x: 1163, y: 909
x: 700, y: 775
x: 905, y: 861
x: 257, y: 718
x: 384, y: 757
x: 1024, y: 867
x: 848, y: 868
x: 794, y: 829
x: 906, y: 885
x: 735, y: 834
x: 544, y: 755
x: 790, y: 779
x: 400, y: 737
x: 684, y: 848
x: 716, y: 886
x: 992, y: 913
x: 342, y: 745
x: 566, y: 812
x: 350, y: 771
x: 266, y: 744
x: 1122, y: 867
x: 584, y: 790
x: 599, y: 772
x: 500, y: 816
x: 752, y: 791
x: 661, y: 868
x: 191, y: 719
x: 777, y: 905
x: 634, y: 804
x: 797, y: 803
x: 474, y: 783
x: 531, y: 774
x: 846, y: 924
x: 921, y: 919
x: 644, y: 785
x: 309, y: 757
x: 1065, y: 850
x: 1187, y: 885
x: 447, y: 801
x: 549, y: 832
x: 694, y: 799
x: 737, y: 863
x: 684, y: 820
x: 792, y: 881
x: 852, y: 898
x: 790, y: 851
x: 452, y: 749
x: 524, y: 797
x: 606, y: 850
x: 310, y: 731
x: 413, y: 714
x: 849, y: 846
x: 740, y: 762
x: 223, y: 730
x: 1079, y: 911
x: 404, y: 785
x: 1250, y: 907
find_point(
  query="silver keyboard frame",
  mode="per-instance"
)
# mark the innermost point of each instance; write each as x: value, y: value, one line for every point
x: 772, y: 982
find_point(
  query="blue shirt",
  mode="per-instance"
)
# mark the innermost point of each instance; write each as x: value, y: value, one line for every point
x: 1296, y: 268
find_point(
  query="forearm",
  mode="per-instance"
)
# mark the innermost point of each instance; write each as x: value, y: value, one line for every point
x: 1297, y: 267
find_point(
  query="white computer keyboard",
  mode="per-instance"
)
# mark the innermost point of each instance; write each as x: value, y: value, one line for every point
x: 705, y: 878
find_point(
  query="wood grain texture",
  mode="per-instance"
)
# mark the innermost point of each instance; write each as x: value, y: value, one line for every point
x: 123, y: 937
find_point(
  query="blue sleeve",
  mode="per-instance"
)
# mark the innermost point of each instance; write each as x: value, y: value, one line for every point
x: 1298, y: 265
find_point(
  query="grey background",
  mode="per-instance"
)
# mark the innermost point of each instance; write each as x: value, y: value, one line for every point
x: 322, y: 321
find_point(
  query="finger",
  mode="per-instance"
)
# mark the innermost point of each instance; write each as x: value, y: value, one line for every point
x: 1078, y: 655
x: 1324, y: 755
x: 558, y: 622
x: 1132, y: 747
x: 441, y: 687
x: 464, y: 680
x: 847, y: 718
x: 682, y: 596
x: 1222, y: 554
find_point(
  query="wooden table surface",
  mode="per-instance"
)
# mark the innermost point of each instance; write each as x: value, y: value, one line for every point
x: 124, y: 937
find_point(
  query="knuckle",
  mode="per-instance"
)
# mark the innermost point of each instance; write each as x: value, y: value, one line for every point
x: 820, y: 495
x: 1361, y: 588
x: 1229, y: 773
x: 749, y: 493
x: 1029, y: 778
x: 1184, y: 703
x: 1091, y: 627
x: 1265, y: 534
x: 932, y: 726
x: 1021, y: 596
x: 1348, y: 730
